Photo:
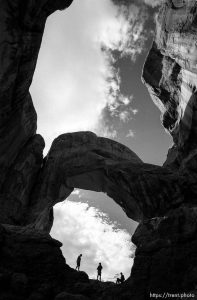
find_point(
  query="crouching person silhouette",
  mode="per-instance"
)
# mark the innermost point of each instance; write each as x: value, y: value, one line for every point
x: 121, y: 279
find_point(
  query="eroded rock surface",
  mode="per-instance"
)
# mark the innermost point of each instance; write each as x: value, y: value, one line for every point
x: 32, y: 264
x: 19, y: 181
x: 166, y: 245
x: 83, y: 160
x: 162, y: 199
x: 21, y: 30
x: 170, y: 73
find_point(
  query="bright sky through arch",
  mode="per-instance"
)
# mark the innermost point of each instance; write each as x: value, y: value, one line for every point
x: 88, y: 77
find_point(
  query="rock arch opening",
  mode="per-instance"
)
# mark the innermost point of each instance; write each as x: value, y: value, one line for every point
x: 91, y: 223
x: 83, y: 160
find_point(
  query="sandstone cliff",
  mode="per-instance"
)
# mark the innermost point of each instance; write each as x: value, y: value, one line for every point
x: 170, y: 73
x: 161, y: 199
x: 83, y: 160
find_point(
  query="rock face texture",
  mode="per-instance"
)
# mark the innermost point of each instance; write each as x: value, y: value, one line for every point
x: 166, y: 245
x: 161, y: 199
x: 83, y: 160
x: 32, y: 265
x: 170, y: 73
x: 21, y: 27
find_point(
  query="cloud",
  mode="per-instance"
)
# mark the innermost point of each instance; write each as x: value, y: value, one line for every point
x: 124, y: 116
x: 127, y: 35
x: 134, y: 111
x: 130, y: 134
x: 153, y: 3
x: 86, y: 230
x: 76, y: 192
x: 106, y: 130
x: 75, y: 78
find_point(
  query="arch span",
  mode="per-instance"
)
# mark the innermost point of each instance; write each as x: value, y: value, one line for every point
x: 83, y: 160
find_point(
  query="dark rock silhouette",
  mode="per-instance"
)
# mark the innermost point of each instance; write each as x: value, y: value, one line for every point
x: 161, y: 199
x: 103, y: 165
x: 32, y: 262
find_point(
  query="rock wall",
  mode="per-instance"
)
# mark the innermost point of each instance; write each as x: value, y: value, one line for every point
x: 32, y: 265
x: 166, y: 245
x: 83, y: 160
x: 170, y: 74
x: 161, y: 199
x: 21, y: 30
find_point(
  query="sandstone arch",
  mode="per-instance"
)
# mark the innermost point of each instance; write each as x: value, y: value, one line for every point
x: 83, y: 160
x: 162, y: 198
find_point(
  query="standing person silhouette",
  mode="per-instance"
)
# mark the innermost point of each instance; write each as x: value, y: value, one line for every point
x: 122, y: 278
x: 99, y: 271
x: 78, y: 262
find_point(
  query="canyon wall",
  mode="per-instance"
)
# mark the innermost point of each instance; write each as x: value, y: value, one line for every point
x: 161, y: 199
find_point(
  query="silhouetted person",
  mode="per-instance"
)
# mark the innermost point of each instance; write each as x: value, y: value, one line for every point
x: 121, y: 279
x: 99, y: 271
x: 118, y: 281
x: 78, y: 262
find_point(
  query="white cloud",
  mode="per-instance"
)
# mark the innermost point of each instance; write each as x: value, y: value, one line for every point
x: 125, y: 33
x: 153, y: 3
x: 86, y: 230
x: 126, y: 100
x: 130, y: 134
x: 75, y: 80
x: 106, y: 130
x: 122, y: 108
x: 134, y: 111
x: 124, y: 116
x: 76, y: 192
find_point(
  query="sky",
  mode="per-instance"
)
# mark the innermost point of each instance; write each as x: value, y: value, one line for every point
x: 88, y: 77
x: 87, y: 230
